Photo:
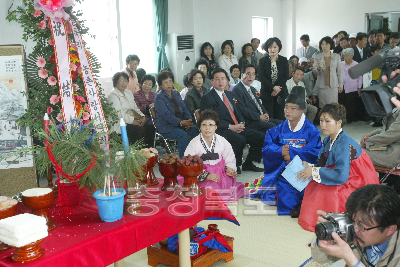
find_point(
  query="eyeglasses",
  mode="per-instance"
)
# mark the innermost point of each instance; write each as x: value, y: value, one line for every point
x: 362, y: 228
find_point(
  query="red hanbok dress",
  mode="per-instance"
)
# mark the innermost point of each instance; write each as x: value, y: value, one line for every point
x: 342, y: 168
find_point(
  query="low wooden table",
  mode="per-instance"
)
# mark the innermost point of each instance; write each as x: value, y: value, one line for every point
x: 161, y: 254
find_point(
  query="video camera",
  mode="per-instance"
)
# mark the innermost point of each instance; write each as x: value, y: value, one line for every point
x: 337, y: 222
x: 376, y: 98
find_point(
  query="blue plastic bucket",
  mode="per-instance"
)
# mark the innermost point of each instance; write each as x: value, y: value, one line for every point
x: 110, y: 208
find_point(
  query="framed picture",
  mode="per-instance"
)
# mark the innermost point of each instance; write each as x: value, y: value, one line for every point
x: 16, y: 174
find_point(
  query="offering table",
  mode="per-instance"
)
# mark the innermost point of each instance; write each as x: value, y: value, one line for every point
x: 82, y: 239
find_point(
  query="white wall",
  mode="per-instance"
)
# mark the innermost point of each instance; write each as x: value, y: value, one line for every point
x: 11, y: 32
x: 216, y: 21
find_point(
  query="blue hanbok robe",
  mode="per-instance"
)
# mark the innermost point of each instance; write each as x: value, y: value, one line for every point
x: 275, y: 188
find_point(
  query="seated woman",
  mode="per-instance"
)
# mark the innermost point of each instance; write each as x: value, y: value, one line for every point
x: 122, y: 100
x: 235, y: 74
x: 219, y: 159
x: 202, y: 65
x: 173, y: 119
x: 176, y: 86
x: 342, y: 167
x: 187, y: 86
x: 132, y: 62
x: 140, y: 73
x: 247, y: 51
x: 144, y: 98
x: 207, y: 54
x: 227, y: 58
x: 192, y: 99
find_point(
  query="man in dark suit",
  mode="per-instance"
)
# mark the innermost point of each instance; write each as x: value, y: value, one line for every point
x: 361, y: 52
x: 231, y: 125
x: 254, y: 113
x: 339, y: 48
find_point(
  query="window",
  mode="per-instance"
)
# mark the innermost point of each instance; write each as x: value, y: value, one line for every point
x: 262, y: 29
x: 134, y: 32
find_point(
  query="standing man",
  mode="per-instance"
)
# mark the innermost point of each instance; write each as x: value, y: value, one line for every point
x: 394, y: 39
x: 296, y: 80
x: 254, y: 113
x: 306, y: 51
x: 380, y: 40
x: 361, y: 52
x: 255, y: 43
x: 232, y: 124
x: 353, y: 40
x: 339, y: 48
x: 371, y: 38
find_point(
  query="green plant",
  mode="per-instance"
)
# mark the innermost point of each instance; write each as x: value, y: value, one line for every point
x: 43, y: 88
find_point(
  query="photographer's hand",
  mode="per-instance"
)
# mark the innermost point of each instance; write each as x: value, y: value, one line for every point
x: 341, y: 249
x: 321, y: 216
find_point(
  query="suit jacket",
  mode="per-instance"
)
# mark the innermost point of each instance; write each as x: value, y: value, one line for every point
x: 336, y: 79
x: 257, y: 58
x: 165, y: 113
x: 211, y: 100
x: 264, y: 74
x: 308, y: 81
x: 192, y: 99
x: 357, y: 56
x: 246, y: 104
x: 310, y: 51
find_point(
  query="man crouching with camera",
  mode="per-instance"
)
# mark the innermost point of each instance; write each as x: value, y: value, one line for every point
x: 370, y: 225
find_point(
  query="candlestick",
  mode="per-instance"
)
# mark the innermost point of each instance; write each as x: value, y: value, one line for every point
x: 46, y: 128
x: 46, y: 143
x: 124, y: 135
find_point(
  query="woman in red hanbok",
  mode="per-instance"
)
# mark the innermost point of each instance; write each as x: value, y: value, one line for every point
x: 342, y: 167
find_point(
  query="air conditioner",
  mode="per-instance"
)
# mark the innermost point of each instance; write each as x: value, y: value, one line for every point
x: 180, y: 53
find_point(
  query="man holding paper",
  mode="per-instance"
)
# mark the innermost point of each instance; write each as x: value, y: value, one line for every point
x: 295, y: 136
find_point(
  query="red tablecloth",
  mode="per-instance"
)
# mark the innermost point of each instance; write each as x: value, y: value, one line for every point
x: 82, y: 239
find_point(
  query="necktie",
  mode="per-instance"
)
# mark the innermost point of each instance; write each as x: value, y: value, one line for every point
x: 305, y: 51
x: 255, y: 100
x: 361, y: 53
x: 254, y: 53
x: 226, y: 102
x: 374, y: 255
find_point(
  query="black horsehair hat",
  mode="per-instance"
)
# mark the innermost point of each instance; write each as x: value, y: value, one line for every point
x: 297, y: 96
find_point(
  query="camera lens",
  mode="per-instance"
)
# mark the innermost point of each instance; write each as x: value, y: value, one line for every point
x: 324, y: 230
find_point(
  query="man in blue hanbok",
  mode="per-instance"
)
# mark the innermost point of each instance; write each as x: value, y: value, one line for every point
x: 295, y: 136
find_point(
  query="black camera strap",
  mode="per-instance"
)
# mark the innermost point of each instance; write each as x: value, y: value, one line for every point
x: 363, y: 255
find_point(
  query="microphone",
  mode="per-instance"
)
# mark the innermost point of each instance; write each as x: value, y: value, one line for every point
x: 388, y: 57
x: 365, y: 66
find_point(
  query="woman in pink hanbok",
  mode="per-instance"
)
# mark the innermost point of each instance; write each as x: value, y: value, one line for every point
x: 218, y: 159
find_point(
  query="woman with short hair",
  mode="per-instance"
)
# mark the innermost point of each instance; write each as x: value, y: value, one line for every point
x: 342, y: 167
x: 173, y: 119
x: 247, y: 52
x: 235, y: 74
x: 273, y: 73
x: 207, y: 54
x: 193, y: 96
x: 328, y: 67
x: 124, y: 103
x: 132, y: 62
x: 219, y: 160
x: 144, y: 98
x: 351, y: 87
x: 227, y: 59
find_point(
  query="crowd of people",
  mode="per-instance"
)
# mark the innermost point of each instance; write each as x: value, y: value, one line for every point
x: 271, y: 104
